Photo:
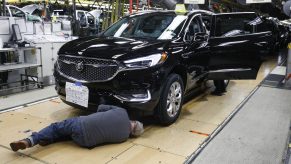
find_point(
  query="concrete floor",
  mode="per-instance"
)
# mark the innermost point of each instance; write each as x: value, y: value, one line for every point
x: 173, y: 144
x: 259, y: 133
x: 23, y: 98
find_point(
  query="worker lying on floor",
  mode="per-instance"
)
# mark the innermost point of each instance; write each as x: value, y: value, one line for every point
x: 110, y: 124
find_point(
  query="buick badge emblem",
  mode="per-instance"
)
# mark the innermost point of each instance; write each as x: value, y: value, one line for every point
x: 80, y: 66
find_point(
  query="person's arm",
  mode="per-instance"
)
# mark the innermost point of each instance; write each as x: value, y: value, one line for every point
x: 104, y: 108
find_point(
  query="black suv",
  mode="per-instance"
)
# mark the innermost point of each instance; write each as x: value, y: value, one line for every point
x: 149, y: 61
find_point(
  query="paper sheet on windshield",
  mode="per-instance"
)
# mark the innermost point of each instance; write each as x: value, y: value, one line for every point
x: 168, y: 33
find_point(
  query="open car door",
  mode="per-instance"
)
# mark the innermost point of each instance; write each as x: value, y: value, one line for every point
x: 236, y: 47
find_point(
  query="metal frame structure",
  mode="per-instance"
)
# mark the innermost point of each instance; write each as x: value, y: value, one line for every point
x: 26, y: 79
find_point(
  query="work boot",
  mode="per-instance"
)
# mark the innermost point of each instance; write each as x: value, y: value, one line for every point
x: 22, y: 144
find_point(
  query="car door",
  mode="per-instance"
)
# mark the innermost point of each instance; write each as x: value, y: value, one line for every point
x: 16, y: 12
x: 196, y: 49
x: 235, y: 47
x: 268, y: 25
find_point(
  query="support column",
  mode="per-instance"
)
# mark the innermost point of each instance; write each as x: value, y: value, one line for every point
x: 74, y: 22
x: 4, y: 7
x: 130, y: 6
x: 288, y: 67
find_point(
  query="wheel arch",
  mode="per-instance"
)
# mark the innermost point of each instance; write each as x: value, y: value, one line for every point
x: 181, y: 71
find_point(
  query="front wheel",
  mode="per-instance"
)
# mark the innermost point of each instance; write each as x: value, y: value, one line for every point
x: 171, y: 101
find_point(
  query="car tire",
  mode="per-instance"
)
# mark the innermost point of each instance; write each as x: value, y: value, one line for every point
x: 171, y: 100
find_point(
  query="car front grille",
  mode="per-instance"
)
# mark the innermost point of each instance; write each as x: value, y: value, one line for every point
x: 87, y: 69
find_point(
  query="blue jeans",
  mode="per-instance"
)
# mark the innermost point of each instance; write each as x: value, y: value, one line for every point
x: 59, y: 131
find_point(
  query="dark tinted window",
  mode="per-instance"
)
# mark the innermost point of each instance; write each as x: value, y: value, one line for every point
x: 142, y: 26
x: 195, y: 26
x: 235, y: 24
x: 207, y: 21
x: 16, y: 12
x: 265, y: 25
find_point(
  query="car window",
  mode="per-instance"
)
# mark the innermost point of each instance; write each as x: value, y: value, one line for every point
x: 36, y: 12
x: 234, y: 24
x: 151, y: 26
x: 194, y: 27
x: 58, y: 12
x: 7, y: 12
x: 207, y: 21
x: 91, y: 19
x: 265, y: 26
x: 16, y: 12
x: 80, y: 15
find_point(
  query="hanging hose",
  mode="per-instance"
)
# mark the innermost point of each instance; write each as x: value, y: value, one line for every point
x: 170, y: 4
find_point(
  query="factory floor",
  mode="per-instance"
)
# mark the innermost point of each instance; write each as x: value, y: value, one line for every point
x: 259, y: 133
x: 199, y: 119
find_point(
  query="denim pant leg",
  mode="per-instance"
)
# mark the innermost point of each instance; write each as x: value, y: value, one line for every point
x: 55, y: 131
x: 78, y: 135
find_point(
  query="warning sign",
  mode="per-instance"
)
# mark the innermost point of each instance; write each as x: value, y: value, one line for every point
x: 258, y: 1
x: 194, y: 1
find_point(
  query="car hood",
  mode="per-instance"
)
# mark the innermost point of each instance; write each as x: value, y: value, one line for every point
x: 112, y: 48
x: 31, y: 8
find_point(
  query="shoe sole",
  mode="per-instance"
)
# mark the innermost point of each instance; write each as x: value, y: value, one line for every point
x: 17, y: 146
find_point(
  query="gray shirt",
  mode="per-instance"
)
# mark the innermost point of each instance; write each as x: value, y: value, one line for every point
x: 110, y: 124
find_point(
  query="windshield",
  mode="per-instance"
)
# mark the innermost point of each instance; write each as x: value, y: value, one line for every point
x: 151, y: 26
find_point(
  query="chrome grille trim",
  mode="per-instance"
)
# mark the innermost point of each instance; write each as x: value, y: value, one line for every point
x: 95, y: 70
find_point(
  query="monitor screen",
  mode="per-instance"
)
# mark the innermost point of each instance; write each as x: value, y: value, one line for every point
x: 16, y: 32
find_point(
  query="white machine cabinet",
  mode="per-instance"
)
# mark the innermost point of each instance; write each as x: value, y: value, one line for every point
x: 50, y: 45
x: 50, y: 51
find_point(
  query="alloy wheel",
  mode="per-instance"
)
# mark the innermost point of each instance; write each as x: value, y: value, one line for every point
x: 174, y: 99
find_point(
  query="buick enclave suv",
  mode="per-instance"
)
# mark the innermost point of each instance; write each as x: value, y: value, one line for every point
x: 149, y: 61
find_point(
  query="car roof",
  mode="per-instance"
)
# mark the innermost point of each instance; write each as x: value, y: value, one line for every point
x: 13, y: 6
x: 188, y: 12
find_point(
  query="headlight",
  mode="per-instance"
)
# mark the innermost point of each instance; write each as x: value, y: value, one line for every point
x: 145, y: 62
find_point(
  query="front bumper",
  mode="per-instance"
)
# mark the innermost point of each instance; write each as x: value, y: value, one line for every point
x: 128, y: 89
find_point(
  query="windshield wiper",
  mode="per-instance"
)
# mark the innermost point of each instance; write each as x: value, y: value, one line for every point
x: 142, y: 37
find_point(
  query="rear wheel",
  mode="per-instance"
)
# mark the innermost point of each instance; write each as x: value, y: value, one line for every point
x: 169, y: 107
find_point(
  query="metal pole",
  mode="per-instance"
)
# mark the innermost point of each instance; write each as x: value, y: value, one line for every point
x: 288, y: 67
x: 130, y: 6
x: 74, y: 10
x: 122, y: 8
x: 137, y: 5
x: 4, y: 7
x: 117, y: 8
x: 74, y: 20
x: 112, y: 11
x: 1, y: 12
